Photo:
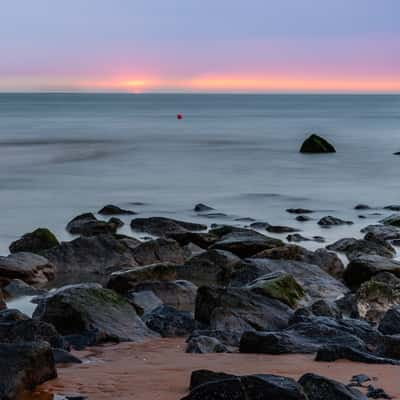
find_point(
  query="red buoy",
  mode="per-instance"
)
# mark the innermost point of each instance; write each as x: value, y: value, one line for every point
x: 179, y: 116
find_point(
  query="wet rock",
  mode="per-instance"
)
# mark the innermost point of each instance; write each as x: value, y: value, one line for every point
x: 34, y: 242
x: 246, y: 243
x: 24, y: 366
x: 201, y: 239
x: 363, y: 268
x: 390, y: 323
x: 326, y: 260
x: 382, y: 232
x: 362, y: 207
x: 169, y: 322
x: 12, y: 315
x: 347, y: 305
x: 316, y: 283
x: 79, y: 309
x: 260, y: 225
x: 322, y: 308
x: 389, y: 347
x: 359, y: 380
x: 303, y: 218
x: 88, y: 225
x: 202, y: 376
x: 30, y: 268
x: 280, y: 286
x: 236, y: 309
x: 393, y: 207
x: 338, y: 352
x: 210, y: 267
x: 316, y: 144
x: 252, y: 387
x: 17, y: 288
x: 179, y: 294
x: 3, y: 304
x: 299, y: 211
x: 144, y: 302
x: 281, y: 229
x: 202, y: 208
x: 114, y: 210
x: 160, y: 226
x: 392, y: 220
x: 64, y: 357
x: 377, y: 296
x: 333, y: 221
x: 377, y: 393
x: 204, y: 345
x: 229, y: 339
x: 318, y: 387
x: 124, y: 281
x: 354, y: 248
x: 297, y: 238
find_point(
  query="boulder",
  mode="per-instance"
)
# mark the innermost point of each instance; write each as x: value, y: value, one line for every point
x: 179, y: 294
x: 281, y: 229
x: 204, y: 345
x: 201, y: 239
x: 390, y: 323
x: 86, y: 308
x: 318, y: 387
x: 230, y: 339
x: 333, y: 221
x: 24, y: 366
x: 354, y: 248
x: 252, y: 387
x: 389, y: 347
x: 238, y: 310
x: 18, y: 288
x: 114, y: 210
x: 211, y: 267
x: 64, y: 357
x: 30, y: 268
x: 303, y: 218
x: 363, y: 268
x: 299, y: 211
x: 12, y: 315
x: 382, y: 232
x: 202, y: 376
x: 144, y: 302
x: 202, y: 208
x: 35, y: 242
x: 316, y: 283
x: 362, y: 207
x: 246, y: 242
x: 88, y: 225
x: 160, y: 226
x: 124, y: 281
x: 3, y: 304
x: 169, y: 322
x: 326, y: 260
x: 280, y: 286
x: 392, y: 220
x: 316, y: 144
x: 377, y: 296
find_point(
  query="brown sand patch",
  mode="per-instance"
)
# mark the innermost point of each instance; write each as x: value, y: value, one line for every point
x: 160, y: 370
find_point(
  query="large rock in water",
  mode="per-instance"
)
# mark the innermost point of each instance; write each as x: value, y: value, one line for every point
x: 316, y: 283
x: 87, y: 308
x: 239, y: 310
x: 393, y: 220
x: 24, y: 366
x: 326, y: 260
x: 110, y: 209
x: 363, y: 268
x: 88, y: 225
x: 30, y: 268
x: 252, y: 387
x: 382, y: 232
x: 318, y: 387
x: 316, y: 144
x: 35, y: 242
x: 160, y: 226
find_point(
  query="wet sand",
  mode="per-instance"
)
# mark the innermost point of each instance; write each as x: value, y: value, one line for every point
x: 160, y: 370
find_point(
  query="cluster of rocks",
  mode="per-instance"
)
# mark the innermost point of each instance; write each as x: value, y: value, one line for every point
x: 225, y: 289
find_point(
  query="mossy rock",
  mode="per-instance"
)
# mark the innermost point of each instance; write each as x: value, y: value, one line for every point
x: 316, y: 144
x: 35, y: 242
x: 280, y: 286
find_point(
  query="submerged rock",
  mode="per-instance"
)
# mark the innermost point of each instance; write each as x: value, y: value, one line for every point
x: 333, y: 221
x: 30, y: 268
x: 393, y: 220
x: 34, y: 242
x: 87, y: 308
x: 114, y: 210
x: 299, y: 211
x: 281, y: 229
x: 160, y: 226
x: 362, y: 207
x: 24, y: 366
x: 316, y: 144
x: 202, y: 208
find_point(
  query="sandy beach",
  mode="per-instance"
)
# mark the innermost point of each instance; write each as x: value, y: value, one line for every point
x: 160, y: 370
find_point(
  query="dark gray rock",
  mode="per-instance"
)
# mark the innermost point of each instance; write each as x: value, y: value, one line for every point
x: 318, y: 387
x: 24, y: 366
x: 204, y: 345
x: 382, y: 232
x: 144, y: 302
x: 393, y: 207
x: 392, y: 220
x: 202, y: 208
x: 88, y: 225
x: 202, y: 376
x: 114, y: 210
x: 79, y: 309
x: 362, y: 207
x: 17, y: 288
x: 64, y: 357
x: 230, y: 339
x: 316, y: 144
x: 35, y: 242
x: 299, y: 211
x: 333, y: 221
x: 201, y: 239
x: 30, y: 268
x: 281, y: 229
x: 12, y: 315
x: 390, y: 323
x: 160, y: 226
x: 303, y: 218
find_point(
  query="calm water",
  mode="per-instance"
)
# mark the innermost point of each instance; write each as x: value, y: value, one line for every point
x: 61, y: 155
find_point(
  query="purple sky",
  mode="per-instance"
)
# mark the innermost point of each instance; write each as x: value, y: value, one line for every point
x: 200, y: 45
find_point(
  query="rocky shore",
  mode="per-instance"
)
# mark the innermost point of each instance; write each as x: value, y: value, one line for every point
x: 207, y: 297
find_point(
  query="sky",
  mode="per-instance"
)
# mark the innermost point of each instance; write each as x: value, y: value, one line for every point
x: 200, y: 45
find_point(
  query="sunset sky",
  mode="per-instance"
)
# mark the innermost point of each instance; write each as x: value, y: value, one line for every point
x: 200, y: 45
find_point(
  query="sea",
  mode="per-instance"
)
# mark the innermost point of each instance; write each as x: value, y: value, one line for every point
x: 65, y: 154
